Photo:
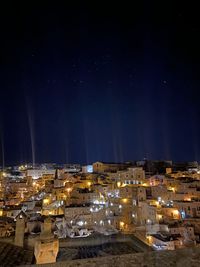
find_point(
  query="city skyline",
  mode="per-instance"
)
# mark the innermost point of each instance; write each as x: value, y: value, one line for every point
x: 99, y: 133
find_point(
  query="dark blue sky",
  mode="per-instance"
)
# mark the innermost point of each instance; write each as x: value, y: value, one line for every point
x: 83, y: 83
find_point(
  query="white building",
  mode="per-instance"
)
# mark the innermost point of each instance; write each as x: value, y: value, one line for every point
x: 37, y: 173
x: 132, y: 176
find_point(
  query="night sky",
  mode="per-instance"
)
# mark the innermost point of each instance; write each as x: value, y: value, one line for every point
x: 84, y: 83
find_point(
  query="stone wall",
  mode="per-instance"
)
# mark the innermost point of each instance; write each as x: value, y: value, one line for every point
x: 179, y: 258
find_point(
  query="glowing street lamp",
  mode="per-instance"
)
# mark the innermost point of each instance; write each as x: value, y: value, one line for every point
x: 121, y: 224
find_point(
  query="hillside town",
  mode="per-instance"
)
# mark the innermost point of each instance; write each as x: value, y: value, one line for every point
x: 50, y: 209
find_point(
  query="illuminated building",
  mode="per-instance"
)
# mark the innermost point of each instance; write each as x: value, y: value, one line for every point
x: 101, y: 167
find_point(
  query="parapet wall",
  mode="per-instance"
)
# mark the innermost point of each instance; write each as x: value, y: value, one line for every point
x: 179, y: 258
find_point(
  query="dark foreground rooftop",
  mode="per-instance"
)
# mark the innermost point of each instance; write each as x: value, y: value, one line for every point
x: 106, y: 249
x: 171, y: 258
x: 11, y: 255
